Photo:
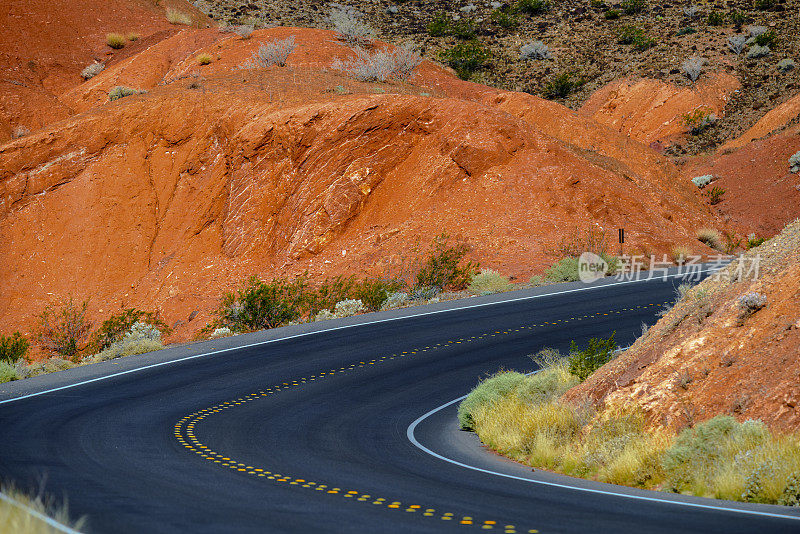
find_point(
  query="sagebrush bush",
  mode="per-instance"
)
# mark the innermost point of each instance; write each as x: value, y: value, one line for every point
x: 794, y: 162
x: 692, y: 67
x: 599, y: 351
x: 115, y: 327
x: 244, y: 31
x: 465, y: 58
x: 121, y: 91
x: 535, y: 50
x: 633, y: 35
x: 633, y: 7
x: 751, y: 302
x: 710, y: 237
x: 680, y: 254
x: 20, y: 131
x: 380, y: 65
x: 488, y: 281
x: 92, y: 70
x: 141, y: 338
x: 702, y: 181
x: 345, y: 308
x: 439, y: 26
x: 785, y: 65
x: 175, y: 16
x: 395, y: 300
x: 63, y: 332
x: 443, y: 268
x: 486, y: 392
x: 373, y: 293
x: 13, y: 348
x: 8, y: 372
x: 274, y: 52
x: 349, y: 25
x: 115, y: 40
x: 221, y: 332
x: 757, y: 51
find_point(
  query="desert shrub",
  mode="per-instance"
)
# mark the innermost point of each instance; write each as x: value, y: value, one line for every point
x: 203, y: 59
x: 141, y: 338
x: 443, y: 268
x: 463, y: 29
x: 439, y: 26
x: 259, y: 305
x: 564, y: 270
x: 221, y: 332
x: 175, y: 16
x: 274, y: 52
x: 785, y: 65
x: 612, y: 14
x: 244, y: 31
x: 691, y: 11
x: 749, y: 303
x: 92, y: 70
x: 562, y: 85
x: 599, y: 351
x: 349, y: 25
x: 692, y: 67
x: 715, y: 18
x: 767, y: 38
x: 794, y: 162
x: 115, y: 327
x: 115, y: 40
x: 329, y: 292
x: 380, y: 65
x: 753, y: 241
x: 736, y: 43
x: 506, y: 19
x: 373, y: 293
x: 764, y: 5
x: 738, y: 19
x: 790, y: 496
x: 532, y: 7
x: 552, y: 380
x: 133, y: 36
x: 121, y: 91
x: 424, y: 292
x: 63, y: 332
x: 686, y: 30
x: 488, y: 281
x: 51, y: 365
x: 757, y: 51
x: 535, y: 50
x: 710, y: 237
x: 715, y: 195
x: 465, y: 58
x: 8, y: 372
x: 20, y: 131
x: 21, y: 519
x: 345, y: 308
x: 633, y: 7
x: 395, y: 300
x: 13, y: 348
x: 699, y: 120
x: 702, y: 181
x: 680, y: 254
x: 633, y: 35
x: 486, y: 392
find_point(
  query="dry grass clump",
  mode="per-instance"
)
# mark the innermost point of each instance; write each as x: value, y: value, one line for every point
x: 710, y: 237
x: 133, y: 36
x: 488, y: 281
x: 203, y: 59
x: 90, y: 71
x: 680, y: 254
x: 16, y: 517
x: 175, y: 16
x: 115, y: 40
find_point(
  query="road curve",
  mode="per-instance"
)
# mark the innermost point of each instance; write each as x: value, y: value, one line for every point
x: 309, y: 433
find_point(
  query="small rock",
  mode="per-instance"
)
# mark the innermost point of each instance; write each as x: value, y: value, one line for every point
x: 392, y: 10
x: 757, y: 51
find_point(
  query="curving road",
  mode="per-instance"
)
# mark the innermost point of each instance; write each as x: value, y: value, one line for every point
x: 302, y: 429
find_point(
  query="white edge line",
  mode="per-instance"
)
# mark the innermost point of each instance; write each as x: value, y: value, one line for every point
x: 38, y: 515
x: 304, y: 334
x: 733, y: 509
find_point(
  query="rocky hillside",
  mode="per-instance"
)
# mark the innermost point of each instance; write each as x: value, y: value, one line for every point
x: 587, y: 40
x: 729, y: 346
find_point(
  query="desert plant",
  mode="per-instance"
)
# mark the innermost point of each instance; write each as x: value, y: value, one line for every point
x: 486, y: 392
x: 633, y: 35
x: 599, y: 351
x: 686, y: 30
x: 794, y: 162
x: 488, y: 281
x: 203, y: 59
x: 704, y: 180
x: 90, y: 71
x: 691, y: 11
x: 633, y: 7
x: 532, y: 7
x: 380, y: 65
x: 738, y: 19
x: 506, y: 19
x: 785, y: 65
x: 345, y: 308
x: 244, y: 31
x: 714, y: 195
x: 463, y: 29
x: 751, y: 302
x: 13, y: 348
x: 19, y: 132
x: 699, y: 120
x: 692, y: 67
x: 753, y: 241
x: 373, y: 293
x: 465, y: 58
x: 115, y: 40
x: 710, y: 237
x: 768, y: 38
x: 221, y: 332
x: 274, y: 52
x: 259, y: 305
x: 612, y: 14
x: 680, y: 254
x: 8, y: 373
x: 63, y: 332
x: 736, y: 43
x: 757, y: 51
x: 133, y: 36
x: 715, y: 18
x: 562, y: 85
x: 395, y: 300
x: 22, y: 513
x: 443, y: 268
x: 121, y: 91
x: 139, y: 339
x: 349, y: 25
x: 764, y: 5
x: 115, y: 327
x: 175, y: 16
x: 439, y: 26
x: 535, y: 50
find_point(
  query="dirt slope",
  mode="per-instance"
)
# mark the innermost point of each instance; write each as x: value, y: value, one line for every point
x: 165, y: 199
x: 690, y: 367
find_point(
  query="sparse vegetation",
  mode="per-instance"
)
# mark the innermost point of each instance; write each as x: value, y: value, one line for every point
x: 16, y: 517
x: 757, y: 51
x: 680, y: 254
x: 133, y: 37
x: 692, y: 68
x: 118, y: 325
x: 13, y: 348
x: 750, y: 303
x: 63, y: 332
x: 794, y: 162
x: 612, y: 14
x: 532, y: 7
x: 704, y: 180
x: 535, y: 50
x: 90, y: 71
x: 710, y: 237
x: 19, y: 132
x: 444, y: 269
x: 203, y: 59
x: 488, y: 281
x: 380, y: 66
x: 465, y: 58
x: 634, y: 7
x: 715, y: 195
x: 736, y: 43
x: 139, y: 339
x: 274, y: 52
x: 699, y: 120
x: 175, y: 16
x: 115, y: 40
x: 348, y: 23
x: 599, y: 351
x: 562, y: 85
x: 633, y: 35
x: 244, y: 31
x: 121, y: 91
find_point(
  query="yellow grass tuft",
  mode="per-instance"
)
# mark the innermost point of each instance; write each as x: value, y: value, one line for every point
x: 178, y: 17
x: 115, y: 40
x: 14, y: 517
x: 203, y: 59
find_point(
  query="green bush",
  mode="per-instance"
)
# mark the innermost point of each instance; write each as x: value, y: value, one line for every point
x: 633, y: 7
x: 505, y: 19
x: 612, y: 14
x: 439, y: 26
x: 768, y: 38
x: 715, y: 18
x: 583, y: 363
x: 115, y: 327
x: 8, y: 372
x: 331, y: 291
x: 487, y: 392
x: 140, y: 338
x: 13, y: 347
x: 533, y: 7
x: 373, y: 293
x: 443, y: 267
x: 633, y: 35
x: 463, y: 29
x: 489, y: 281
x: 259, y: 305
x: 121, y: 91
x: 63, y: 332
x: 465, y: 58
x: 562, y: 85
x: 552, y: 380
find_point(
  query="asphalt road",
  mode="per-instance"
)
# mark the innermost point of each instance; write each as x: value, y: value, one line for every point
x: 310, y: 433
